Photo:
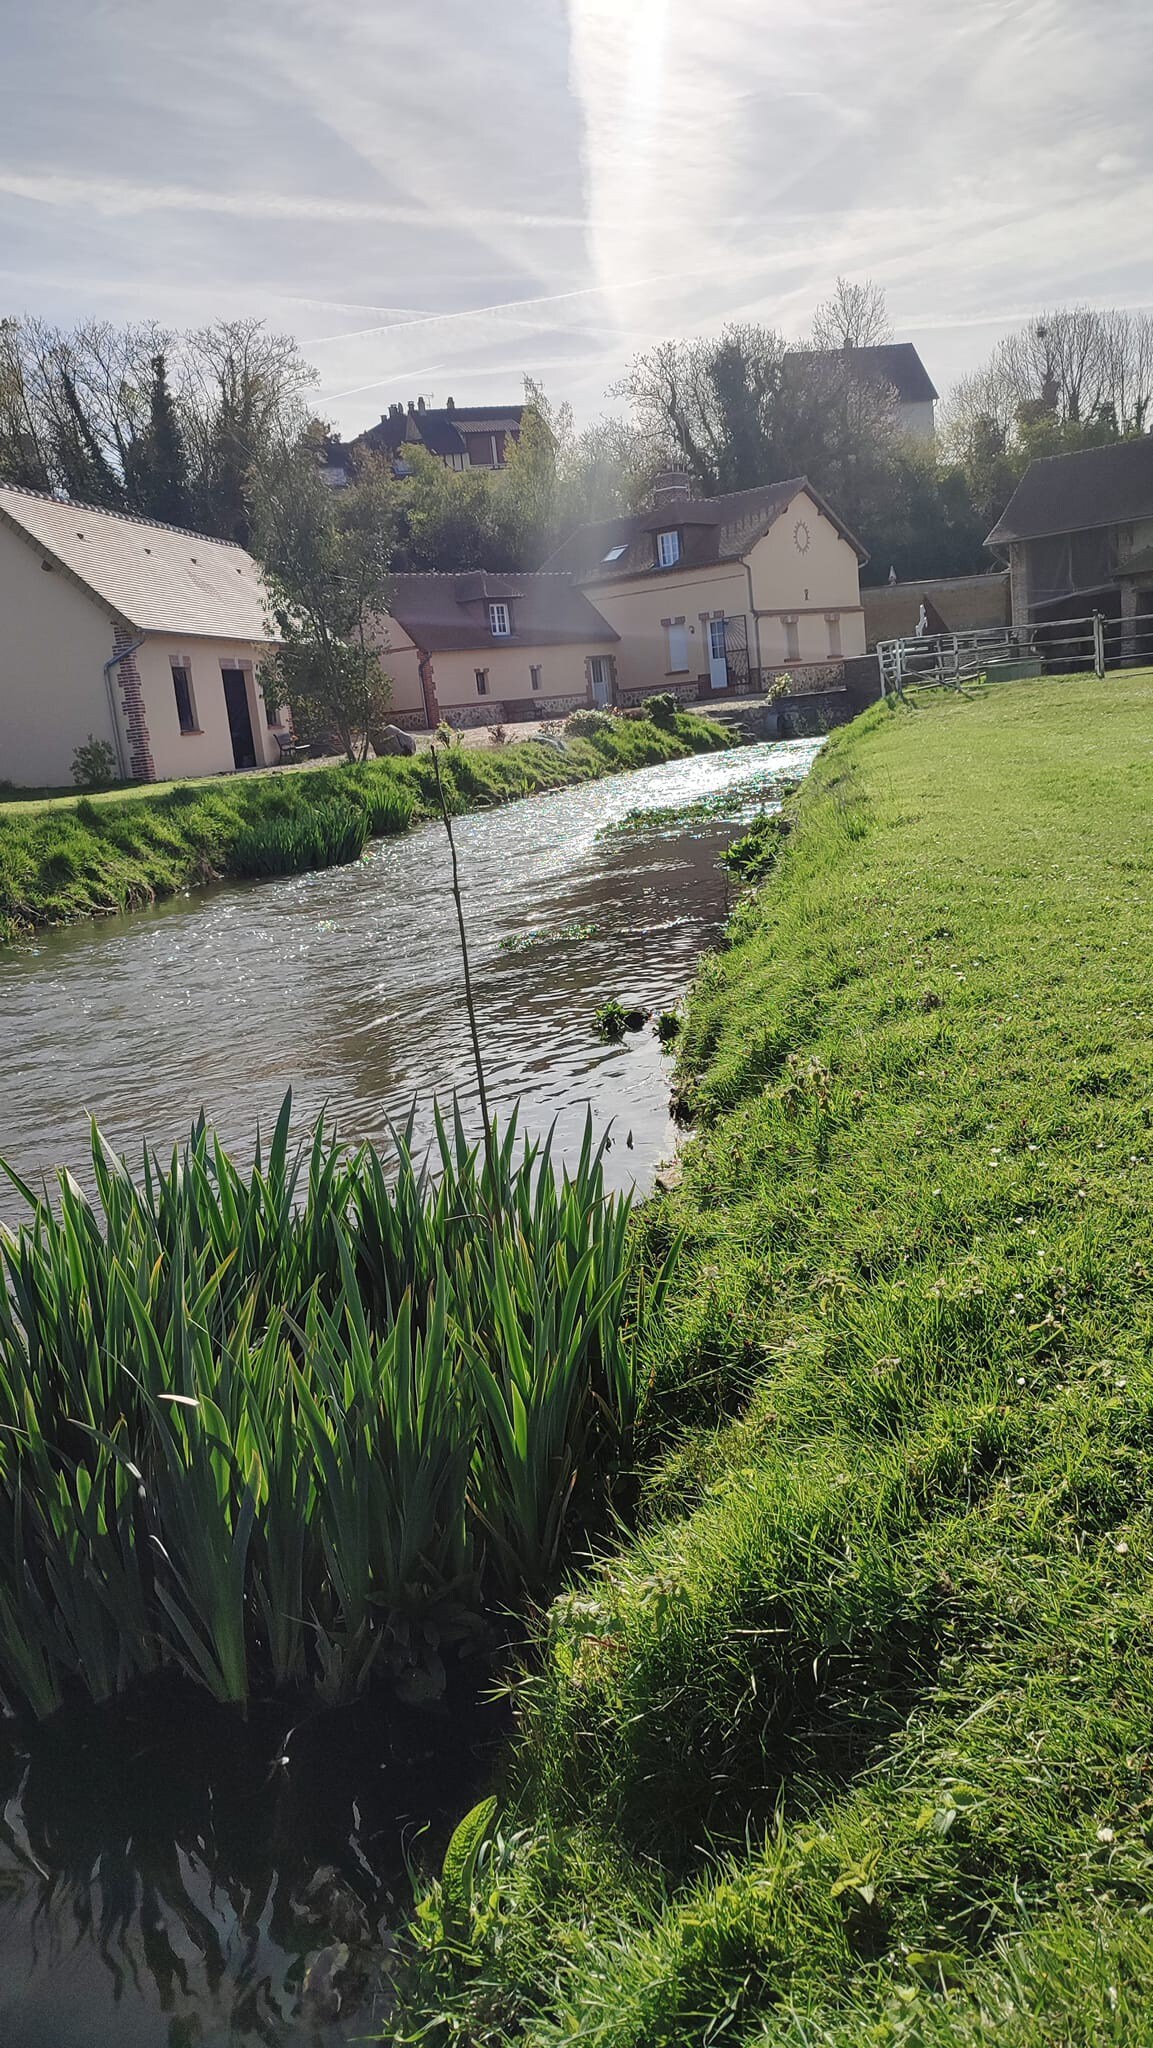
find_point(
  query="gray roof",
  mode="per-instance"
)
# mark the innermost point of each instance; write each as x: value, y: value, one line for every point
x: 441, y: 428
x: 159, y: 579
x: 712, y: 530
x: 1110, y: 486
x: 896, y: 362
x: 442, y: 612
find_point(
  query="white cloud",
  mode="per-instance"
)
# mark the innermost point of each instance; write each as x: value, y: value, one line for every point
x: 468, y: 194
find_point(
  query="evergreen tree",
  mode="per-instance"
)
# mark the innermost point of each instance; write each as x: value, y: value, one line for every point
x: 158, y: 465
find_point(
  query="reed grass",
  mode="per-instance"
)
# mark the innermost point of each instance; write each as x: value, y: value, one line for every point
x: 262, y: 1425
x: 329, y: 835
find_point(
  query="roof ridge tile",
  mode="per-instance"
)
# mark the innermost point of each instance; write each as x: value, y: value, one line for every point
x: 112, y: 512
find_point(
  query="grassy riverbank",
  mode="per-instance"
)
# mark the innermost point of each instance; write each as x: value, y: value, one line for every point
x: 850, y: 1743
x: 68, y: 860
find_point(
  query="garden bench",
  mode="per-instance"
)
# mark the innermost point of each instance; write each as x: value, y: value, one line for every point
x: 291, y: 749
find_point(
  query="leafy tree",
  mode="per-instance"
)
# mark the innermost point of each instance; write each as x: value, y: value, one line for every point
x: 326, y: 557
x: 741, y: 409
x: 451, y: 519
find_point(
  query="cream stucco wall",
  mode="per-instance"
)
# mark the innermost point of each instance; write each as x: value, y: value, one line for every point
x: 563, y: 677
x: 54, y: 641
x: 636, y: 608
x: 817, y: 587
x: 400, y: 659
x: 917, y: 417
x: 805, y: 572
x: 563, y: 681
x: 209, y: 750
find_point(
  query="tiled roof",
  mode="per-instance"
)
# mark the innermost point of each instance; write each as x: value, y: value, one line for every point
x: 712, y: 530
x: 443, y: 612
x: 1067, y: 493
x: 440, y: 426
x: 897, y: 362
x: 159, y: 579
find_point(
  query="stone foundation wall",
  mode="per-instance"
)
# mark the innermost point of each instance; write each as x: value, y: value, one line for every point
x: 685, y: 692
x: 809, y: 677
x: 521, y: 711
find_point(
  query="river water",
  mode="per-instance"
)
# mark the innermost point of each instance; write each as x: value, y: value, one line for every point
x: 166, y: 1869
x: 345, y: 985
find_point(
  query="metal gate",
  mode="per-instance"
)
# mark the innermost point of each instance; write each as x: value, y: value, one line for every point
x: 1047, y: 647
x: 737, y: 651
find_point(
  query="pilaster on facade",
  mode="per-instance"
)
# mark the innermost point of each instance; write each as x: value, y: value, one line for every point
x: 1019, y: 583
x: 1128, y: 647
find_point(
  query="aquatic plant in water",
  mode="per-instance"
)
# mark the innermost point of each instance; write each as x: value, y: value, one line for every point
x: 257, y: 1426
x: 613, y: 1019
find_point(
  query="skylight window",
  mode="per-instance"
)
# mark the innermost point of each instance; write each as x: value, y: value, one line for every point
x: 614, y: 554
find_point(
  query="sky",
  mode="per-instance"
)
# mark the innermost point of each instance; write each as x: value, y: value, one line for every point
x: 437, y: 197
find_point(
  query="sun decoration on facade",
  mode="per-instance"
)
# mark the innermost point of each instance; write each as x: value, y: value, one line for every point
x: 801, y: 537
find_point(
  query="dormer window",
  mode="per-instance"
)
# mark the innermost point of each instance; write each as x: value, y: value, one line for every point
x: 499, y: 622
x: 668, y: 549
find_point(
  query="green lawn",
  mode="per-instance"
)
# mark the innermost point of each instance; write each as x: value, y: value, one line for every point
x: 851, y: 1741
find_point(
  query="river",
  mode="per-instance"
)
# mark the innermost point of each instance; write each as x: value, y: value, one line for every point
x: 166, y: 1868
x: 345, y: 985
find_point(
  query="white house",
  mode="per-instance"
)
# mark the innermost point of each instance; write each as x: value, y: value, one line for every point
x: 144, y: 636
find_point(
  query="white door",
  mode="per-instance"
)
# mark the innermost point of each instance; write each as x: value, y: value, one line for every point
x: 718, y: 659
x: 601, y: 677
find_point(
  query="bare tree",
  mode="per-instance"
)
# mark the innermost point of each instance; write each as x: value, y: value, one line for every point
x: 853, y: 316
x: 1071, y: 366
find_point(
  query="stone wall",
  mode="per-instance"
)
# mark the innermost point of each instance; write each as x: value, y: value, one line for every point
x: 520, y: 711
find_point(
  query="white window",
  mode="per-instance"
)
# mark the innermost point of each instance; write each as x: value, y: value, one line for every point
x: 668, y: 549
x: 792, y: 641
x: 500, y: 625
x: 833, y: 622
x: 614, y: 554
x: 678, y: 647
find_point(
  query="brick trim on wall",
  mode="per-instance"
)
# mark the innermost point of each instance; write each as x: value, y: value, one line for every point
x: 132, y: 697
x: 427, y: 676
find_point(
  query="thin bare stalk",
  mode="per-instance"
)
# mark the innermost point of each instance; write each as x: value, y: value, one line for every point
x: 469, y: 1004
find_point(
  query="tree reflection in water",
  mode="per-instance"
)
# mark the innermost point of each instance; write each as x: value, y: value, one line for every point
x: 167, y: 1867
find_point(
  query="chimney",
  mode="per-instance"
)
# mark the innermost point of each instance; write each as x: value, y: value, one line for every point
x: 420, y: 405
x: 672, y: 487
x: 450, y: 405
x: 412, y: 405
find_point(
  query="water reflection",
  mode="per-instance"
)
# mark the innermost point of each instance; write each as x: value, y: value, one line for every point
x: 167, y: 1868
